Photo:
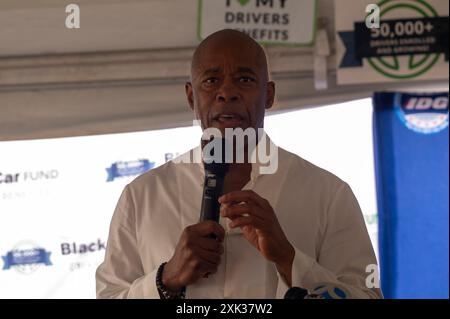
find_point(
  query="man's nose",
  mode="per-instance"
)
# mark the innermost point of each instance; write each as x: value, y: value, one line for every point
x: 228, y: 93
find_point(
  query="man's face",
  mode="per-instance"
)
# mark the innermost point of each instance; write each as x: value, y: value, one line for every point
x: 229, y: 86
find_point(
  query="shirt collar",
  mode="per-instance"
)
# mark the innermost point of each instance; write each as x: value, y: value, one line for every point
x: 257, y: 165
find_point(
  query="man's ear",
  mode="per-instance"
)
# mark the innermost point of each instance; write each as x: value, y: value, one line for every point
x: 189, y: 94
x: 270, y: 94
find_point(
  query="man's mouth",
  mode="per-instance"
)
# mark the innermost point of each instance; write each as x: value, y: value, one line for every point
x: 228, y: 120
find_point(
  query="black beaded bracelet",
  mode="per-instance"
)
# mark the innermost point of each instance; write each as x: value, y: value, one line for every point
x: 165, y: 293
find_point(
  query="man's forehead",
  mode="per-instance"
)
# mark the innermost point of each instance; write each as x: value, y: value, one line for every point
x: 234, y: 65
x: 229, y: 50
x: 220, y: 61
x: 220, y: 71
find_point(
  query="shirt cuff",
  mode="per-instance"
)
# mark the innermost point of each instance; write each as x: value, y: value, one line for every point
x: 145, y: 287
x: 301, y: 265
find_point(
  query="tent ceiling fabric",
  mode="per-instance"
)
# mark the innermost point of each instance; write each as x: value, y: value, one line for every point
x: 121, y: 74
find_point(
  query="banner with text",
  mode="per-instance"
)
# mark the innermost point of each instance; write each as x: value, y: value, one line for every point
x: 389, y: 40
x: 411, y: 147
x: 267, y: 21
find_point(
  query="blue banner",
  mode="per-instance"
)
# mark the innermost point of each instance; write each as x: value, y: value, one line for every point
x: 411, y: 159
x: 26, y: 257
x: 132, y: 168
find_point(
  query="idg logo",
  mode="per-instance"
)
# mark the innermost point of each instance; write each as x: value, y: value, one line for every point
x: 426, y: 114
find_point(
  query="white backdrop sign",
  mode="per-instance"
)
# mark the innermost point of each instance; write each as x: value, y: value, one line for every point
x: 57, y: 196
x: 267, y: 21
x: 401, y: 40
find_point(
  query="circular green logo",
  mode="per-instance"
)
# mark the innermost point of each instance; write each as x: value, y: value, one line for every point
x: 411, y: 66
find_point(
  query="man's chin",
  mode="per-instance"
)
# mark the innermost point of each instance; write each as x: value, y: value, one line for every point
x: 230, y: 126
x: 230, y: 130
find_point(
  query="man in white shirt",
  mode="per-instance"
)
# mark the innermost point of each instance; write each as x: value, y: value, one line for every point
x: 299, y: 226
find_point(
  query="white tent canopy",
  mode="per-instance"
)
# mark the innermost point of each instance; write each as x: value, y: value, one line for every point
x: 125, y: 68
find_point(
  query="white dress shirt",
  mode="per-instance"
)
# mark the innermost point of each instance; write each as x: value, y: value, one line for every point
x: 317, y: 211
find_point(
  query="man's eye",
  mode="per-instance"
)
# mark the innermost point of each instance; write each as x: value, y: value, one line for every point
x: 210, y: 80
x: 246, y: 79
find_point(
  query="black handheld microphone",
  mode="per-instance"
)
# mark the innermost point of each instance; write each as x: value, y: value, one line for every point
x: 296, y: 293
x: 215, y: 170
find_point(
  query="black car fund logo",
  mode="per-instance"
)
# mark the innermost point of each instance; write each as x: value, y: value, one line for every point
x: 74, y: 248
x: 29, y: 176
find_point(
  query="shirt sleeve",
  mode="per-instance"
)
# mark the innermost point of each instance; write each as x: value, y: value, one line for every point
x: 121, y: 274
x: 344, y: 253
